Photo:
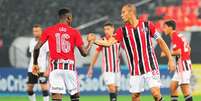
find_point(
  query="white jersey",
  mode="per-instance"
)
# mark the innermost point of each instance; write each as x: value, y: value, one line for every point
x: 42, y: 58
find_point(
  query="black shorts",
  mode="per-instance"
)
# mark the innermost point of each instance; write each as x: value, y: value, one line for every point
x: 33, y: 79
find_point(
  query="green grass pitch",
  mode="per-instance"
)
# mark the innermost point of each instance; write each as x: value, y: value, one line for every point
x: 93, y: 98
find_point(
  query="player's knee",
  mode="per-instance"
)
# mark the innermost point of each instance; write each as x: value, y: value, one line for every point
x: 30, y: 92
x: 45, y: 93
x: 136, y: 95
x: 75, y: 97
x: 56, y: 97
x: 155, y: 93
x: 112, y: 89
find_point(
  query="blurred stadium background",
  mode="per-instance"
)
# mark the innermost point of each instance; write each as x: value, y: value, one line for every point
x: 18, y: 16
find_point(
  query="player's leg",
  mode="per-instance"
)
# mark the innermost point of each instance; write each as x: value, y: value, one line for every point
x: 109, y: 79
x: 72, y: 84
x: 135, y: 96
x: 136, y: 86
x: 154, y: 83
x: 56, y: 97
x: 186, y: 92
x: 75, y: 97
x: 112, y: 92
x: 32, y: 79
x: 185, y: 85
x: 57, y: 85
x: 155, y: 91
x: 30, y: 92
x: 174, y: 86
x: 44, y: 86
x: 173, y: 90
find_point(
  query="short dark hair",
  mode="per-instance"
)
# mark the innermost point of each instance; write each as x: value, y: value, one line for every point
x: 171, y: 23
x: 37, y: 25
x: 64, y: 12
x: 108, y: 23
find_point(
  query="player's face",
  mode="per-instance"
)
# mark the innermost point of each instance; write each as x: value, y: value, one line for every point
x: 166, y: 29
x: 37, y: 31
x: 125, y: 14
x: 69, y: 19
x: 108, y: 30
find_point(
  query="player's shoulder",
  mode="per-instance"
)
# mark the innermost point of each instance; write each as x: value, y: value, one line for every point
x: 32, y: 41
x: 46, y: 43
x: 177, y: 34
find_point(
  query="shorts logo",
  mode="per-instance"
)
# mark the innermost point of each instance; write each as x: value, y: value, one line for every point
x: 42, y: 79
x: 57, y: 88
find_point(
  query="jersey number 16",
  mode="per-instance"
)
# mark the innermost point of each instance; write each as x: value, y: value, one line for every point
x: 62, y: 43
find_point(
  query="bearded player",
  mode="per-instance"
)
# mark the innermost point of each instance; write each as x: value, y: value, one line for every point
x: 42, y: 63
x: 135, y: 36
x: 110, y: 62
x: 181, y: 51
x: 62, y: 40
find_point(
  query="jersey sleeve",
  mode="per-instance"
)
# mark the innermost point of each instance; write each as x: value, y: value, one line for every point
x: 78, y: 39
x: 153, y: 32
x: 44, y: 36
x: 119, y: 35
x: 99, y: 48
x: 176, y: 43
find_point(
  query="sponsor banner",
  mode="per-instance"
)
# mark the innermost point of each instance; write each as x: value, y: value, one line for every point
x: 13, y: 81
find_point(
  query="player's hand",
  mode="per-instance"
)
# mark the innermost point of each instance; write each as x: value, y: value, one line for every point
x: 90, y: 72
x: 162, y: 54
x: 91, y: 37
x: 171, y: 65
x: 35, y: 70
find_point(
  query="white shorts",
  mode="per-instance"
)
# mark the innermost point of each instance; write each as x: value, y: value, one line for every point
x: 182, y: 77
x: 148, y: 80
x: 64, y: 80
x: 112, y: 78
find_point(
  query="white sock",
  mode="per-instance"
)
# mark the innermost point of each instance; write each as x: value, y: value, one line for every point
x: 45, y: 98
x: 32, y: 97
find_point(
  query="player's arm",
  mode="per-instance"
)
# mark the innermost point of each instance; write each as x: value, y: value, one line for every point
x: 167, y: 53
x: 36, y: 52
x: 173, y: 53
x: 35, y: 68
x: 94, y: 59
x: 48, y: 64
x: 176, y: 52
x: 84, y: 50
x: 106, y: 43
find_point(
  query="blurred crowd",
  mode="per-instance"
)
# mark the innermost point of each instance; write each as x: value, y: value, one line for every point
x: 187, y: 14
x: 17, y: 17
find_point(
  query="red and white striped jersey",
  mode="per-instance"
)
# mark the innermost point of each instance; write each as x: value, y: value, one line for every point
x: 138, y: 46
x: 110, y: 59
x: 178, y: 41
x: 62, y: 41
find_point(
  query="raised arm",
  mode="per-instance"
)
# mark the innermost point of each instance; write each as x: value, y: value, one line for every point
x: 106, y: 43
x: 84, y: 50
